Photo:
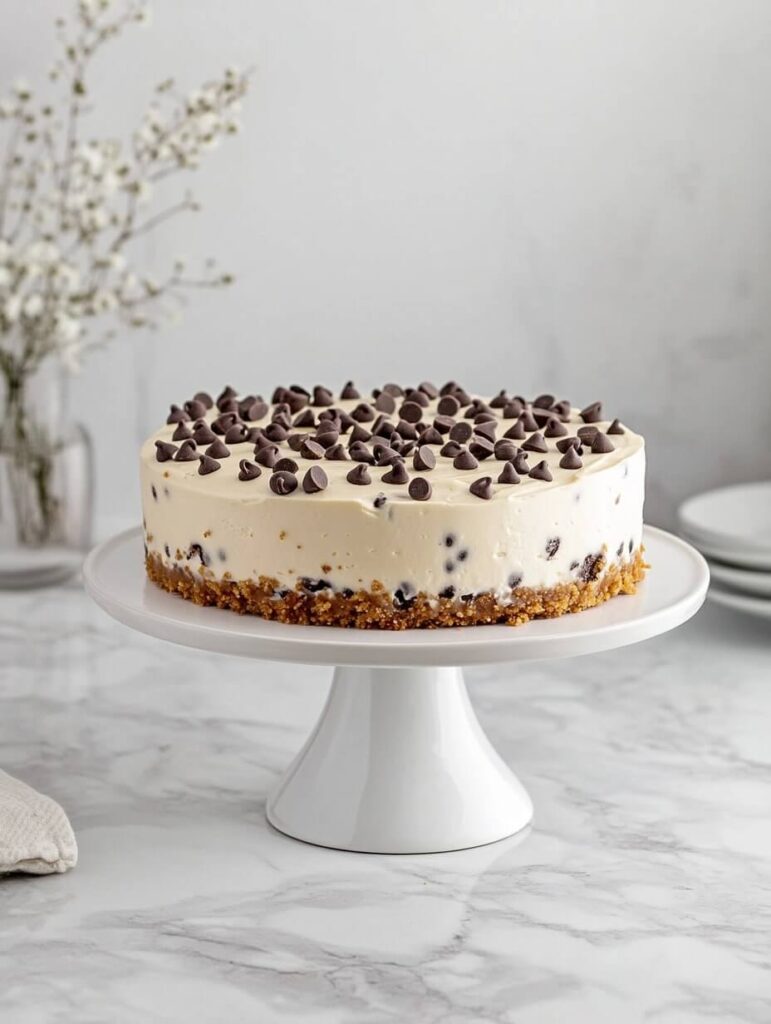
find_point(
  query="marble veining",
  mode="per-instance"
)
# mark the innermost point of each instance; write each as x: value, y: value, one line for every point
x: 641, y: 893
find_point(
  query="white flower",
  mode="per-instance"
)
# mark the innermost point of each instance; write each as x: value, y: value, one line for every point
x: 33, y: 306
x: 12, y: 308
x: 5, y: 277
x: 5, y: 251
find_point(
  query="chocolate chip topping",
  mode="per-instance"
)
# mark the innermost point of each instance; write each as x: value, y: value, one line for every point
x: 592, y: 413
x: 385, y: 402
x: 508, y: 474
x: 187, y: 452
x: 266, y: 456
x: 336, y: 453
x: 182, y: 433
x: 601, y: 444
x: 535, y: 443
x: 570, y: 459
x: 569, y: 442
x: 315, y: 480
x: 465, y: 460
x: 363, y: 413
x: 419, y: 489
x: 424, y: 458
x: 516, y: 432
x: 217, y: 450
x: 397, y: 474
x: 177, y: 415
x: 248, y: 470
x: 481, y: 448
x: 461, y: 432
x: 164, y: 450
x: 379, y: 501
x: 236, y: 434
x: 207, y: 465
x: 616, y: 428
x: 528, y: 421
x: 520, y: 463
x: 349, y: 392
x: 555, y: 429
x: 541, y: 472
x: 505, y: 450
x: 283, y: 483
x: 310, y: 449
x: 431, y: 436
x: 411, y: 412
x: 322, y: 396
x: 203, y: 434
x: 482, y: 488
x: 451, y: 449
x: 287, y: 465
x: 359, y: 475
x: 205, y: 398
x: 448, y: 406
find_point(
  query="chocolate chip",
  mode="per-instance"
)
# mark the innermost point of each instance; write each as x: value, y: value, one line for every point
x: 428, y: 389
x: 305, y: 419
x: 482, y: 488
x: 541, y: 471
x: 312, y: 449
x: 562, y: 410
x: 248, y: 470
x: 465, y: 460
x: 552, y: 547
x: 528, y: 421
x: 285, y: 465
x: 229, y: 405
x: 385, y: 456
x: 406, y: 430
x: 205, y: 398
x: 217, y: 450
x: 616, y: 428
x: 177, y: 415
x: 448, y: 593
x: 516, y: 432
x: 411, y: 411
x: 592, y: 413
x: 207, y: 465
x: 187, y: 452
x: 359, y: 475
x: 601, y: 444
x: 359, y: 433
x: 481, y: 448
x: 461, y: 432
x: 424, y: 458
x: 315, y: 480
x: 283, y: 483
x: 418, y: 396
x: 203, y: 434
x: 164, y: 450
x: 403, y: 597
x: 349, y: 392
x: 449, y: 388
x: 570, y: 459
x: 512, y: 409
x: 535, y: 443
x: 515, y: 580
x: 449, y: 565
x: 508, y: 474
x: 195, y: 409
x: 586, y: 434
x: 569, y: 442
x: 327, y: 438
x: 154, y: 492
x: 196, y: 551
x: 225, y: 395
x: 448, y: 406
x: 363, y: 413
x: 449, y: 540
x: 236, y: 434
x: 182, y: 433
x: 486, y: 429
x: 385, y: 403
x: 322, y: 396
x: 336, y: 453
x: 419, y: 489
x: 397, y: 474
x: 444, y: 424
x: 431, y: 436
x: 505, y: 450
x: 451, y: 449
x: 379, y: 501
x: 520, y: 464
x: 266, y: 456
x: 544, y: 401
x: 591, y: 568
x: 555, y: 429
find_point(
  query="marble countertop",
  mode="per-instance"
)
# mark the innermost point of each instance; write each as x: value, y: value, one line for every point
x: 642, y: 892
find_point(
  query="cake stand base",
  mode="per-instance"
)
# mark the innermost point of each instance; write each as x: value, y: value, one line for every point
x: 398, y: 763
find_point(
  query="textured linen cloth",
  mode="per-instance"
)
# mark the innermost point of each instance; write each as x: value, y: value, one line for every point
x: 35, y: 834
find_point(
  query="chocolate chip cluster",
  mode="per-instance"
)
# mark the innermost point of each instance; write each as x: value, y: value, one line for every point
x: 392, y: 429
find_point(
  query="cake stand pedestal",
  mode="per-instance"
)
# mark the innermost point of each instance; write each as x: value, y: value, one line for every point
x: 397, y: 762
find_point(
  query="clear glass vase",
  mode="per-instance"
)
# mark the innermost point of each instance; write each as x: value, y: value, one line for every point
x: 46, y: 480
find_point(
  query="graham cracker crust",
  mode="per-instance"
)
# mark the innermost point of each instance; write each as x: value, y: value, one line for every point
x: 375, y: 608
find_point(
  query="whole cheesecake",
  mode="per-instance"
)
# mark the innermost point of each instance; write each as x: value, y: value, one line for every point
x: 408, y: 508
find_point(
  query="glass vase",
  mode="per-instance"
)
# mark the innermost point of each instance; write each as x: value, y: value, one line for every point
x: 46, y: 480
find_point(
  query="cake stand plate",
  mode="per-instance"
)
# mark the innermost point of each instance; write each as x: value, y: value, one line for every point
x: 397, y: 762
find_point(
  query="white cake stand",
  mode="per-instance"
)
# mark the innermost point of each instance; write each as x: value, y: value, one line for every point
x: 398, y: 762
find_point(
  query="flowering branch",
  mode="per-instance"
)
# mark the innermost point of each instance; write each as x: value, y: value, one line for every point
x: 71, y: 207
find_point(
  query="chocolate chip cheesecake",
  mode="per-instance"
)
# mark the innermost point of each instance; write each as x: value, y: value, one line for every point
x: 408, y: 508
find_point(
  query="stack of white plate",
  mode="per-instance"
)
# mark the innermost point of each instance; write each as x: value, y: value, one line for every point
x: 732, y: 529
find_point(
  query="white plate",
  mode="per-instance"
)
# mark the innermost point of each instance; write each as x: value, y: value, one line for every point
x: 748, y: 581
x: 760, y: 606
x: 733, y: 556
x: 732, y: 522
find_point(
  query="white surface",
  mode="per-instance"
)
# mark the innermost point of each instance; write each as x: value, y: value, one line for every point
x: 397, y: 762
x: 754, y: 582
x: 536, y: 194
x: 759, y: 606
x: 731, y: 555
x: 640, y: 894
x: 673, y: 591
x: 733, y: 520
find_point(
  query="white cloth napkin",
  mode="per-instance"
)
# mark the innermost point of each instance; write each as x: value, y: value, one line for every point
x: 35, y: 834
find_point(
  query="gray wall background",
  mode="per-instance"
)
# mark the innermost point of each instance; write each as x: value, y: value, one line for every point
x: 538, y: 194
